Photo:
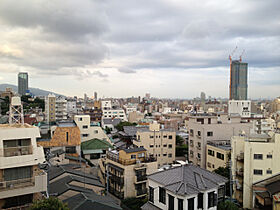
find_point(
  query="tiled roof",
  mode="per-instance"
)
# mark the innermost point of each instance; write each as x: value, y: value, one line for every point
x: 138, y: 149
x: 187, y: 179
x: 95, y: 144
x: 91, y: 201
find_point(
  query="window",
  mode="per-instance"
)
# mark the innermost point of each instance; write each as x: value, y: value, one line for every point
x: 17, y: 147
x: 257, y: 172
x: 85, y: 126
x: 67, y: 136
x: 170, y: 155
x: 170, y: 202
x: 258, y: 156
x: 269, y: 156
x: 70, y: 150
x: 191, y: 132
x: 212, y: 199
x: 133, y: 156
x: 211, y: 152
x: 210, y: 133
x: 169, y: 146
x: 221, y: 192
x: 84, y: 135
x: 165, y: 145
x: 96, y: 131
x: 199, y: 133
x: 80, y: 119
x: 191, y: 142
x: 140, y: 155
x: 151, y: 146
x: 17, y: 173
x: 94, y: 156
x: 200, y: 201
x: 220, y: 156
x: 180, y: 204
x: 169, y: 137
x: 151, y: 137
x: 162, y: 195
x: 151, y: 194
x: 268, y: 171
x: 191, y: 204
x: 209, y: 120
x: 164, y: 155
x: 165, y: 136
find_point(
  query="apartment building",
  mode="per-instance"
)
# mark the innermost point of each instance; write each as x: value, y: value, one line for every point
x: 185, y: 187
x: 21, y: 180
x: 117, y: 113
x: 126, y: 172
x: 159, y: 143
x: 241, y: 107
x: 211, y: 127
x: 55, y: 108
x: 254, y: 158
x: 218, y: 154
x: 89, y: 130
x: 263, y: 125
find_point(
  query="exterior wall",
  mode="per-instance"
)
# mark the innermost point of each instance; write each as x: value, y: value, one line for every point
x: 22, y: 83
x: 71, y: 107
x: 243, y: 108
x: 114, y: 113
x: 262, y: 126
x: 162, y: 206
x: 106, y: 104
x: 222, y: 128
x: 50, y: 108
x: 248, y: 148
x: 158, y: 144
x: 61, y: 109
x: 213, y: 162
x: 238, y: 80
x: 91, y: 132
x: 135, y: 116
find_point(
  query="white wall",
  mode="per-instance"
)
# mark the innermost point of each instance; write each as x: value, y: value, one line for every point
x: 241, y: 107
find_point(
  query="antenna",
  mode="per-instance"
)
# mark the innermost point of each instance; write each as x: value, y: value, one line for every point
x: 16, y: 111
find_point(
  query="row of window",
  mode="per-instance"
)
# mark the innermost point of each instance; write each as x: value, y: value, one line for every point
x: 212, y: 200
x: 218, y: 155
x: 260, y: 156
x: 169, y: 137
x: 260, y: 172
x: 158, y: 155
x: 165, y: 145
x: 209, y: 133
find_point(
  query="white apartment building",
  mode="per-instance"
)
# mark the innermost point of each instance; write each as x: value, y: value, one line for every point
x: 114, y: 113
x: 211, y: 127
x: 241, y: 107
x: 71, y: 107
x: 254, y: 158
x: 185, y: 187
x: 55, y: 108
x: 130, y: 108
x: 159, y: 143
x: 89, y: 131
x: 106, y: 104
x: 262, y: 126
x: 21, y: 180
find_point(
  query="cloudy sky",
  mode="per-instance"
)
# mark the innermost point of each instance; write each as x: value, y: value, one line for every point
x: 170, y: 48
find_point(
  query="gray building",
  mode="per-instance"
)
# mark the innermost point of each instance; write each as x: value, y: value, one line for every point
x: 238, y: 80
x: 22, y: 82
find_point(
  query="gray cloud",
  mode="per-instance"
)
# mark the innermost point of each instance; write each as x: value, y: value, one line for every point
x: 126, y: 70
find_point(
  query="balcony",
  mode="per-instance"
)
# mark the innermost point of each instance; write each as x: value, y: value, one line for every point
x: 16, y: 151
x: 140, y: 166
x: 23, y: 186
x: 140, y: 178
x: 240, y: 156
x: 116, y: 193
x: 198, y: 147
x: 118, y: 179
x: 198, y: 136
x: 130, y: 161
x: 239, y: 172
x: 141, y: 192
x: 198, y: 158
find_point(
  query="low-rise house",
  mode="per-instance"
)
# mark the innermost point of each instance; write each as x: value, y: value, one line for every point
x: 185, y: 187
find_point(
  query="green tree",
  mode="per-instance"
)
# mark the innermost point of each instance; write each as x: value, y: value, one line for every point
x: 181, y: 150
x: 224, y: 171
x: 179, y: 140
x: 133, y: 203
x: 51, y: 203
x: 5, y: 105
x: 119, y: 126
x: 227, y: 205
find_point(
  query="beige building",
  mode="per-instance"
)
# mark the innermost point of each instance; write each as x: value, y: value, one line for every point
x: 21, y: 180
x: 89, y: 131
x: 218, y: 154
x: 55, y: 108
x: 254, y: 158
x: 135, y: 116
x: 211, y: 127
x: 159, y: 143
x: 127, y: 170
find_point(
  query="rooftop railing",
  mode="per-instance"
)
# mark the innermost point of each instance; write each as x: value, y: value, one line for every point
x: 18, y: 183
x: 16, y: 151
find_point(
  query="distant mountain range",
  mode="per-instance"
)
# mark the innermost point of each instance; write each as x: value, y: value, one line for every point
x: 34, y: 91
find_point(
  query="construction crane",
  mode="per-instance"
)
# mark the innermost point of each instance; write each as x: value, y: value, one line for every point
x: 230, y: 59
x: 240, y: 57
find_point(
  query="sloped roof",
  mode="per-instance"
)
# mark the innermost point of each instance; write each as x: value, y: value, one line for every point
x: 94, y: 144
x: 136, y: 149
x: 187, y: 179
x: 91, y: 201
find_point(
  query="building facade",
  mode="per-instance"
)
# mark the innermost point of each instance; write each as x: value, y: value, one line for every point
x: 21, y: 179
x: 22, y: 83
x: 241, y: 107
x: 238, y: 80
x: 254, y: 158
x: 159, y: 143
x: 55, y: 108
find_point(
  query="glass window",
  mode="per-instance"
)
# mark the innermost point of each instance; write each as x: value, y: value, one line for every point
x: 269, y: 171
x: 162, y: 195
x: 133, y: 156
x: 200, y: 201
x: 17, y: 173
x: 258, y: 156
x: 151, y: 194
x: 220, y: 156
x: 210, y: 133
x: 169, y: 137
x: 169, y: 145
x: 211, y: 152
x: 170, y: 202
x: 212, y: 199
x: 180, y: 204
x: 191, y: 204
x: 269, y: 156
x: 257, y: 172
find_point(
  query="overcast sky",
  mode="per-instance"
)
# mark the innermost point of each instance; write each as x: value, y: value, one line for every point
x: 119, y: 48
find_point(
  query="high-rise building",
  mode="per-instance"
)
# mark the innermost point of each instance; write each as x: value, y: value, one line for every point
x: 22, y: 82
x: 238, y: 80
x: 95, y: 96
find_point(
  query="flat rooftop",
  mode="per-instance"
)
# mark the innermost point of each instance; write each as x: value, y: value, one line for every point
x: 8, y: 126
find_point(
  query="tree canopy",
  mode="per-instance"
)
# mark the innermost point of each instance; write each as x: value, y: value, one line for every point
x: 51, y: 203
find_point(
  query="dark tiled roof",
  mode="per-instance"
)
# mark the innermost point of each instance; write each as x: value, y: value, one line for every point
x: 187, y: 179
x: 138, y: 149
x: 149, y: 206
x: 86, y: 201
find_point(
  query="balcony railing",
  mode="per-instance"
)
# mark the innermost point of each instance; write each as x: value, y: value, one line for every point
x: 19, y: 183
x: 130, y: 161
x: 118, y: 179
x: 141, y: 192
x: 141, y: 178
x: 16, y: 151
x: 116, y: 193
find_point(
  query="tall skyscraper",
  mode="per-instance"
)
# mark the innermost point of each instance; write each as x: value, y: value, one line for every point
x: 22, y: 82
x: 95, y: 96
x: 238, y: 80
